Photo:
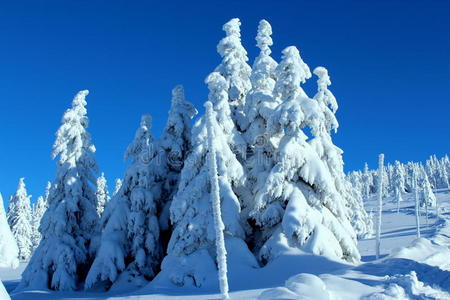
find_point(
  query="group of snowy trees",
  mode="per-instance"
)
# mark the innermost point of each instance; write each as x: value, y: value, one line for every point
x: 254, y: 177
x: 405, y: 178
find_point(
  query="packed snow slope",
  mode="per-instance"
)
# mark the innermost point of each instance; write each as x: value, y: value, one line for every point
x: 409, y: 268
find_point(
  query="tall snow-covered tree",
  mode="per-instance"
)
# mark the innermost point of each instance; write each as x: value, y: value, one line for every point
x: 70, y: 221
x: 130, y: 248
x: 190, y: 258
x: 426, y: 195
x: 367, y: 179
x: 299, y: 206
x: 102, y: 194
x: 398, y: 179
x: 117, y: 186
x: 221, y: 252
x: 331, y: 155
x: 259, y: 106
x: 416, y: 199
x: 235, y: 69
x: 174, y: 144
x: 19, y: 219
x: 380, y: 203
x: 9, y: 252
x: 38, y: 211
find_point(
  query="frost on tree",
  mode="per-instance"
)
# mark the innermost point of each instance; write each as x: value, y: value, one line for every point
x: 174, y: 144
x: 331, y: 155
x: 221, y: 252
x: 130, y: 244
x: 117, y: 186
x: 19, y: 219
x: 398, y: 181
x: 38, y: 211
x: 235, y: 69
x: 102, y: 194
x: 259, y: 106
x: 426, y: 195
x: 9, y: 252
x: 299, y: 206
x: 190, y: 259
x: 61, y: 260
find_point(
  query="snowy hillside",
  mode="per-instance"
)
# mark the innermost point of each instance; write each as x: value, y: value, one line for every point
x: 409, y: 268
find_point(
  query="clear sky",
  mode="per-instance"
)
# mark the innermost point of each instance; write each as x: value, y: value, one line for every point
x: 389, y: 62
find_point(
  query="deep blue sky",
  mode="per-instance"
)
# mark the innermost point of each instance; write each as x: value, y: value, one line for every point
x: 389, y: 62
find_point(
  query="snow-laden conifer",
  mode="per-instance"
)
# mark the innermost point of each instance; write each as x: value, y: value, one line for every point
x: 299, y: 205
x: 38, y: 211
x: 331, y: 155
x: 235, y: 69
x: 174, y: 144
x: 367, y: 180
x: 380, y: 203
x: 221, y: 252
x: 102, y: 194
x: 9, y: 252
x: 130, y: 243
x: 117, y: 186
x: 426, y: 196
x: 191, y: 249
x: 259, y: 106
x: 398, y: 183
x: 19, y: 219
x: 416, y: 199
x: 61, y: 260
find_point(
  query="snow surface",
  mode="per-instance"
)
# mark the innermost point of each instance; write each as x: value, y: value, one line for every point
x: 409, y: 268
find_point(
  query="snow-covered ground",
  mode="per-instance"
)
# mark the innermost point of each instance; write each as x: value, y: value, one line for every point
x: 409, y: 268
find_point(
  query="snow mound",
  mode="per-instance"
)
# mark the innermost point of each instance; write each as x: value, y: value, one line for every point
x: 408, y: 286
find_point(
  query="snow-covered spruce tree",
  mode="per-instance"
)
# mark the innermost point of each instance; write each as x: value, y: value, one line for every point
x: 117, y: 186
x: 398, y: 181
x: 190, y: 258
x: 367, y: 179
x: 426, y: 196
x: 235, y: 70
x: 221, y: 252
x: 443, y: 174
x: 299, y: 206
x: 130, y: 243
x: 19, y: 219
x: 38, y: 211
x: 9, y: 252
x: 331, y: 155
x: 416, y: 198
x: 259, y: 106
x: 174, y: 144
x: 102, y: 194
x: 380, y: 203
x: 70, y: 221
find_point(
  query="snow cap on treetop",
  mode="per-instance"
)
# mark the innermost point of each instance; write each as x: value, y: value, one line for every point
x: 146, y: 120
x: 208, y: 105
x: 178, y: 94
x: 324, y: 79
x: 216, y: 82
x: 79, y: 98
x: 292, y: 56
x: 232, y: 27
x: 263, y: 39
